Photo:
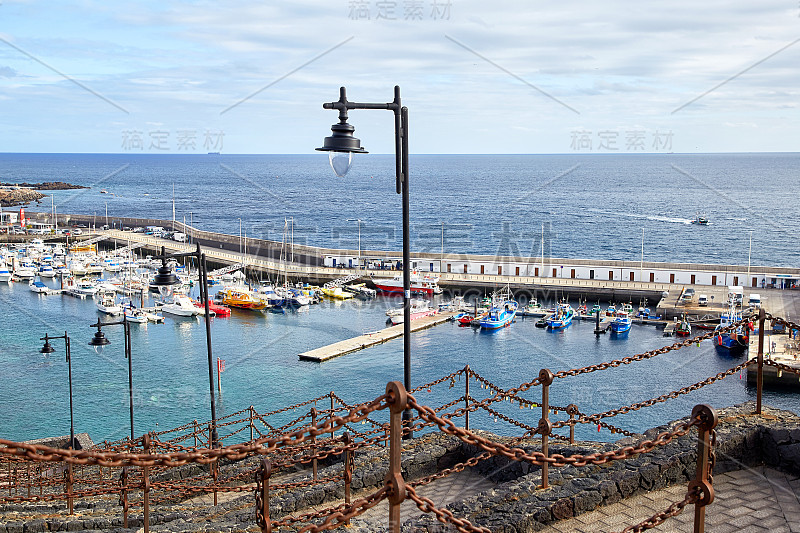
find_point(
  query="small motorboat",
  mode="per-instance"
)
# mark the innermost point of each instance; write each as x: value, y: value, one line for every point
x: 700, y: 220
x: 419, y: 309
x: 133, y: 314
x: 106, y: 303
x: 38, y: 287
x: 562, y: 317
x: 217, y: 309
x: 181, y: 306
x: 337, y: 293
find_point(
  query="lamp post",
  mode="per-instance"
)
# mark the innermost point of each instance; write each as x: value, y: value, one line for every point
x: 48, y: 349
x: 99, y: 341
x: 165, y: 279
x: 341, y: 146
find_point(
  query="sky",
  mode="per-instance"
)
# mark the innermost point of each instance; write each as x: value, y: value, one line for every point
x: 477, y: 76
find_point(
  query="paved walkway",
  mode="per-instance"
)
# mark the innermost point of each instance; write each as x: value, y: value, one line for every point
x: 757, y: 499
x: 752, y: 500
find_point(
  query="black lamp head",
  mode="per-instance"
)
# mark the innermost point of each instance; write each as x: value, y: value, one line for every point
x: 99, y: 339
x: 47, y: 348
x: 342, y: 140
x: 165, y: 276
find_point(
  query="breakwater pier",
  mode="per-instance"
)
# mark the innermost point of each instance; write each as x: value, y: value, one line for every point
x: 660, y: 284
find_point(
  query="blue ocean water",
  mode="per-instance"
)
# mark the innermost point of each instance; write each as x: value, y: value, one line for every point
x: 596, y: 210
x: 592, y: 206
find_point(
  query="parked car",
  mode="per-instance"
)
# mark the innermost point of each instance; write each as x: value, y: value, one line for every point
x: 702, y: 300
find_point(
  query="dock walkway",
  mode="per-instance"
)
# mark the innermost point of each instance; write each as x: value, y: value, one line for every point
x: 371, y: 339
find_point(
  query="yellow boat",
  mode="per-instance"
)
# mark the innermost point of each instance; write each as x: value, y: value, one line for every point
x: 242, y: 299
x: 78, y: 247
x: 337, y: 292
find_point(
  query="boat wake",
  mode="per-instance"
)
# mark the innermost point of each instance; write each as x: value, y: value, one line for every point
x: 657, y: 218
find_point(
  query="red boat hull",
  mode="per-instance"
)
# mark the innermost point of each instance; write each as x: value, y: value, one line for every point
x: 399, y: 290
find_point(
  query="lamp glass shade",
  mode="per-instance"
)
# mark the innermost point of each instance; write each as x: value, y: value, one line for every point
x: 340, y: 162
x: 98, y: 342
x: 166, y: 291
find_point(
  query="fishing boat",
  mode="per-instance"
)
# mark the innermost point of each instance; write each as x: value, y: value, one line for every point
x: 106, y: 302
x: 502, y: 311
x: 562, y: 318
x: 534, y: 308
x: 419, y: 309
x: 611, y: 310
x: 419, y: 284
x: 627, y: 308
x: 337, y: 293
x: 596, y: 309
x: 735, y: 340
x: 241, y: 298
x: 621, y: 323
x: 38, y: 287
x: 684, y: 327
x: 699, y: 219
x: 180, y: 306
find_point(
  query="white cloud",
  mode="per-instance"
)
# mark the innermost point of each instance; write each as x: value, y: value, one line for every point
x: 614, y: 62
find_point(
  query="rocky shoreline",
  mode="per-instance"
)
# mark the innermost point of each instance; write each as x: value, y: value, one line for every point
x: 45, y: 186
x: 13, y: 197
x: 13, y: 194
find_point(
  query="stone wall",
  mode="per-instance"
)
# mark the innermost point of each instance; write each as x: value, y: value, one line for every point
x: 513, y: 504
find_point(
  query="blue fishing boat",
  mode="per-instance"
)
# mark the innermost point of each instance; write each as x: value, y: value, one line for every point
x: 562, y: 318
x: 734, y: 340
x: 621, y: 323
x: 502, y: 311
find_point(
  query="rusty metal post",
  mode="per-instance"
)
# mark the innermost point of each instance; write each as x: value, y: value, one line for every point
x: 572, y: 410
x: 466, y: 397
x: 394, y: 478
x: 194, y: 427
x: 123, y: 497
x: 70, y: 479
x: 252, y: 410
x: 313, y: 442
x: 262, y: 496
x: 545, y: 426
x: 348, y: 470
x: 215, y: 476
x: 332, y: 414
x: 28, y: 475
x: 702, y: 482
x: 760, y: 376
x: 146, y: 486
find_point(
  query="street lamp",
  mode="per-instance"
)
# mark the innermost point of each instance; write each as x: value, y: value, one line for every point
x: 99, y: 341
x: 341, y: 145
x: 165, y: 280
x: 48, y: 349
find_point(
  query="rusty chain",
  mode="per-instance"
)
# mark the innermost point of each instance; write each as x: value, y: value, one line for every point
x: 444, y: 516
x: 659, y: 518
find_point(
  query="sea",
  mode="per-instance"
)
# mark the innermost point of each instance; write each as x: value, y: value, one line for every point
x: 624, y: 207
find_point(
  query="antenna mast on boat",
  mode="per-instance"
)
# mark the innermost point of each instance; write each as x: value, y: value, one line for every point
x: 173, y: 206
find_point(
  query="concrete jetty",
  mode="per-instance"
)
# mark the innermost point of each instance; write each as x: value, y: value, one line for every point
x: 371, y: 339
